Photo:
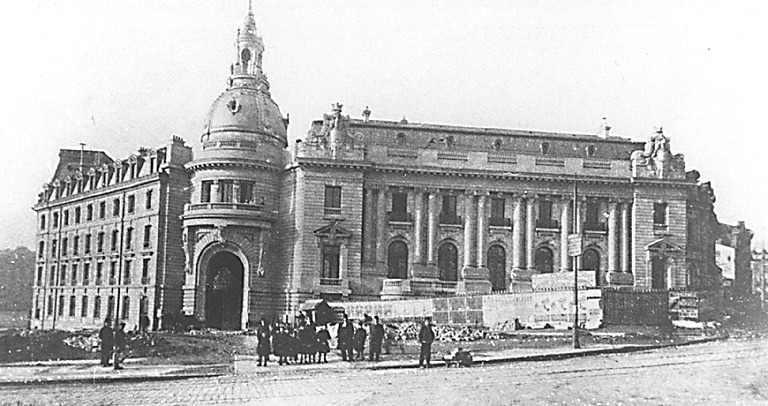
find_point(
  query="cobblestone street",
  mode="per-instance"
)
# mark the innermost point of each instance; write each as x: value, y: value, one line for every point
x: 717, y: 373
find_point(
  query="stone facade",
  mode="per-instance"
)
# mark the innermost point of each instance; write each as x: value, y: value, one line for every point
x: 107, y: 233
x: 364, y: 209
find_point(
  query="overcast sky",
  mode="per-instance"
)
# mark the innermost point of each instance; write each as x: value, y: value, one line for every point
x: 118, y: 75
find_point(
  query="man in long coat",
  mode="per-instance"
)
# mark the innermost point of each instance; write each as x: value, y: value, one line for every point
x: 346, y: 333
x: 426, y: 337
x: 107, y: 338
x: 377, y: 336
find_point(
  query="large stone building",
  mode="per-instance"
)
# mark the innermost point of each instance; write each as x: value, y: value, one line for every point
x: 359, y: 209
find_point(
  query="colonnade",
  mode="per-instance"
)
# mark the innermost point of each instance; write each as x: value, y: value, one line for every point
x: 476, y: 212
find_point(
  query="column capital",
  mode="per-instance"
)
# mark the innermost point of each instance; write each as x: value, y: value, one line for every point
x: 433, y: 191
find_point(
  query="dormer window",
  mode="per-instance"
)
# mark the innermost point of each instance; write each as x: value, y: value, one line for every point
x: 401, y: 139
x: 591, y: 149
x: 544, y: 147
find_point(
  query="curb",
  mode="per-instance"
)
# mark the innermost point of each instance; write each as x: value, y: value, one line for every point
x: 116, y: 379
x: 563, y: 355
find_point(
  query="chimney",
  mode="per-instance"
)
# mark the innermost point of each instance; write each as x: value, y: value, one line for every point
x: 366, y: 114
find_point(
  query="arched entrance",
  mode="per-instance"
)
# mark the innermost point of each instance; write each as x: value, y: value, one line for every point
x: 543, y: 259
x: 397, y: 260
x: 224, y: 291
x: 497, y: 264
x: 590, y: 261
x: 447, y: 262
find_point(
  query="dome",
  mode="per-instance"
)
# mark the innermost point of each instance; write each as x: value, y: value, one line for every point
x: 245, y: 110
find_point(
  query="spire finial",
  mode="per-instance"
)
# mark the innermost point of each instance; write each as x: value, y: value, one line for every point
x: 250, y: 7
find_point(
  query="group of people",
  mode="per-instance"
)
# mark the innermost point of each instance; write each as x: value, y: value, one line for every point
x: 305, y: 344
x: 309, y: 343
x: 113, y: 342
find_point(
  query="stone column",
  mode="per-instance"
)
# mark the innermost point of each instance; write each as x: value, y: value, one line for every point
x: 482, y: 231
x: 530, y: 232
x: 626, y: 265
x: 565, y: 229
x: 432, y: 235
x: 613, y: 232
x: 369, y: 226
x: 236, y: 192
x: 418, y: 227
x: 470, y: 230
x: 382, y: 202
x: 215, y: 198
x: 517, y: 233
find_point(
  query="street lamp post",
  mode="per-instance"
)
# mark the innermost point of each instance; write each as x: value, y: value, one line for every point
x: 575, y: 253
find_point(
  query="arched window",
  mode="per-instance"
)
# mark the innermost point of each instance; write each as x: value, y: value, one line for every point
x: 497, y: 265
x: 590, y: 261
x: 543, y: 260
x: 447, y: 262
x: 246, y: 56
x: 397, y: 260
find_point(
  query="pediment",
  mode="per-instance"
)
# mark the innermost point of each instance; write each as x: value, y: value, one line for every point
x: 333, y: 231
x: 664, y: 245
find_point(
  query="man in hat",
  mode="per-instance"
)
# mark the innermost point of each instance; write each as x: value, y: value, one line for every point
x: 120, y: 341
x: 377, y: 336
x: 346, y: 334
x: 107, y: 338
x: 426, y: 337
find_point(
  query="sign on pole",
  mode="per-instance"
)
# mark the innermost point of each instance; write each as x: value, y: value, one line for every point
x: 575, y: 244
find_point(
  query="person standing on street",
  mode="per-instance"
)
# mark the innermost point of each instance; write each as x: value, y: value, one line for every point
x: 107, y: 338
x: 359, y: 338
x: 264, y: 347
x: 377, y: 336
x: 120, y: 341
x: 426, y: 337
x: 345, y: 334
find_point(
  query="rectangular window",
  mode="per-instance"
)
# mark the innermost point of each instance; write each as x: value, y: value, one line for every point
x: 97, y: 307
x: 64, y: 245
x: 66, y: 218
x: 87, y: 247
x: 41, y: 249
x: 63, y: 275
x: 37, y: 308
x: 74, y: 275
x: 448, y: 210
x: 39, y: 275
x: 84, y: 307
x: 99, y: 272
x: 147, y: 235
x: 50, y: 305
x: 110, y: 306
x: 53, y: 248
x: 205, y: 191
x: 89, y: 212
x: 52, y: 276
x: 498, y: 215
x: 127, y: 272
x: 61, y: 305
x: 102, y: 209
x: 129, y: 238
x: 113, y: 273
x: 333, y: 197
x: 331, y: 261
x: 226, y: 189
x: 86, y: 274
x: 115, y: 239
x: 77, y: 215
x: 148, y: 200
x: 660, y: 214
x: 545, y: 215
x: 592, y: 218
x: 76, y: 245
x: 126, y: 310
x: 116, y: 207
x: 55, y: 220
x: 145, y: 271
x: 42, y: 221
x: 246, y: 192
x: 399, y: 202
x: 131, y: 203
x: 72, y: 304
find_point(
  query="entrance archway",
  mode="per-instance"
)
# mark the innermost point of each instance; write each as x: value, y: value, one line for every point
x: 224, y: 291
x: 543, y: 260
x: 447, y: 262
x: 497, y: 266
x: 658, y: 273
x: 590, y: 261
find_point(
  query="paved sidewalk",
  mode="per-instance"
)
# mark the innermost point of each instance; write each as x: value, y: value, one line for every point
x: 89, y: 371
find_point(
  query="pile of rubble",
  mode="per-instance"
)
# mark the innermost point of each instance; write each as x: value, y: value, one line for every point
x: 410, y: 331
x: 86, y: 341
